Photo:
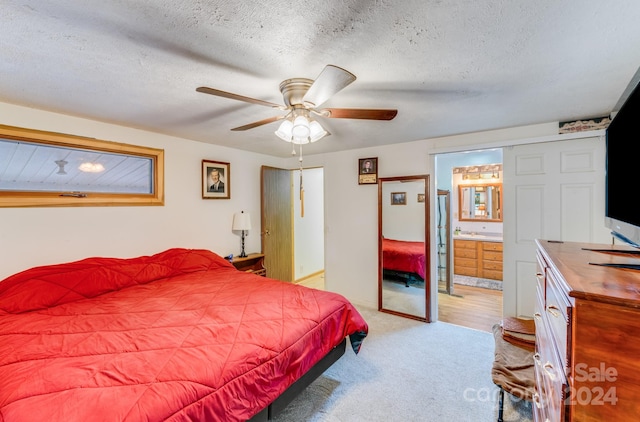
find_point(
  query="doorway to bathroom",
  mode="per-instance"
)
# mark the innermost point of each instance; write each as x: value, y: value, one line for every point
x: 469, y: 237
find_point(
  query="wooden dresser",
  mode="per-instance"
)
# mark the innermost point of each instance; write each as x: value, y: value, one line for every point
x: 587, y: 361
x: 477, y: 258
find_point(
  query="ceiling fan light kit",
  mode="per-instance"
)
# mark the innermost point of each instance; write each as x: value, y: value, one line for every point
x: 301, y: 131
x: 301, y: 97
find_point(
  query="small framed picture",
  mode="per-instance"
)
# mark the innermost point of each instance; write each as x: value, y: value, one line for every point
x: 368, y: 171
x: 421, y: 197
x: 398, y: 198
x: 216, y: 180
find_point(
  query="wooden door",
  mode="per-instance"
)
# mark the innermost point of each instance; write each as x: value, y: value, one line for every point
x: 277, y: 222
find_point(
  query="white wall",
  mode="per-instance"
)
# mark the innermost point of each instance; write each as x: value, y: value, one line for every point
x: 39, y: 236
x: 403, y: 222
x: 308, y: 231
x: 351, y: 210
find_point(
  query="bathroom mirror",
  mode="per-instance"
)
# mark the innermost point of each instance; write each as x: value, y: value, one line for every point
x: 480, y: 202
x: 403, y: 242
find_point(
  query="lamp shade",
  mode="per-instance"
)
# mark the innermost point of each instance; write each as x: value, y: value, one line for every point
x: 300, y: 128
x: 284, y: 131
x: 317, y: 131
x: 241, y: 221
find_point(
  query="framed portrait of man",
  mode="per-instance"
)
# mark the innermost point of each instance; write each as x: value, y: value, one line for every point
x: 368, y: 171
x: 216, y: 180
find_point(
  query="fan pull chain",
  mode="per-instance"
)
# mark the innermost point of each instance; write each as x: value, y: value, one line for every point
x: 301, y: 188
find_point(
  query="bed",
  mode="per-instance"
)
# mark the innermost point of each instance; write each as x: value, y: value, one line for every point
x: 179, y: 335
x: 404, y: 260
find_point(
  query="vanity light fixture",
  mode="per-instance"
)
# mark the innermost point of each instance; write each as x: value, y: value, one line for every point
x: 487, y: 171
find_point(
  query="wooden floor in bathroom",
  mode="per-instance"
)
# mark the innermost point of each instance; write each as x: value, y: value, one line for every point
x: 472, y: 307
x: 468, y: 306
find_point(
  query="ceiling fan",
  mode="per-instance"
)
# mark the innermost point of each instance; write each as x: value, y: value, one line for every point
x: 302, y: 97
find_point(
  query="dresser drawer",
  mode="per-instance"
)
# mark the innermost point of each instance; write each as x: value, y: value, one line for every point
x: 465, y: 253
x: 492, y: 274
x: 557, y: 311
x: 492, y: 265
x: 468, y: 271
x: 459, y: 261
x: 543, y: 410
x: 546, y: 349
x: 548, y: 401
x: 492, y: 246
x: 551, y: 380
x: 492, y: 256
x: 540, y: 273
x: 464, y: 244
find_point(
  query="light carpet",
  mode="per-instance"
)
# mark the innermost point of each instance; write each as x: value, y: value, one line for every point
x: 408, y: 371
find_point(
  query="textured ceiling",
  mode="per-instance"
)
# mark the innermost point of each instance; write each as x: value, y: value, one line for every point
x: 448, y: 67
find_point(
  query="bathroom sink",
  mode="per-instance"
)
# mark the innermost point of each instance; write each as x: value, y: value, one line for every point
x: 489, y: 237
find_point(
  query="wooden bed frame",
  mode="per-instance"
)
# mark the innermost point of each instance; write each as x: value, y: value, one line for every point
x: 279, y: 404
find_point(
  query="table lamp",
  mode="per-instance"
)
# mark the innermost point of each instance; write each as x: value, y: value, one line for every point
x: 242, y: 222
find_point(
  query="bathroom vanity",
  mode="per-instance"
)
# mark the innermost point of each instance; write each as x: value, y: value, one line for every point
x: 477, y: 255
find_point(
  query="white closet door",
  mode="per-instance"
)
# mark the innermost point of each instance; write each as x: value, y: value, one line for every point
x: 553, y: 191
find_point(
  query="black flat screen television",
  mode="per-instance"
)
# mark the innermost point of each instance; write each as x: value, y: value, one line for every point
x: 622, y: 214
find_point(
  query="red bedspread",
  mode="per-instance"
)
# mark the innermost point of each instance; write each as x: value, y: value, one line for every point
x: 181, y: 335
x: 400, y: 255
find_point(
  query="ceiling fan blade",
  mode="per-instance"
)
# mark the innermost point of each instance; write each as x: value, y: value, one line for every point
x: 331, y: 80
x: 259, y: 123
x: 225, y: 94
x: 359, y: 113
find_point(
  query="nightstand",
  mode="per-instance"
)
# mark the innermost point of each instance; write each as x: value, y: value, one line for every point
x: 252, y: 263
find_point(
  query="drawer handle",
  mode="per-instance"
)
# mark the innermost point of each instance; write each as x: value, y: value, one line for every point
x: 536, y: 358
x: 553, y: 310
x: 536, y: 400
x: 537, y: 316
x: 539, y: 275
x: 548, y: 368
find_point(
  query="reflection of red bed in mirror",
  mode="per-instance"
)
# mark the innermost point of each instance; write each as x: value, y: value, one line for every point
x: 180, y: 335
x: 404, y: 257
